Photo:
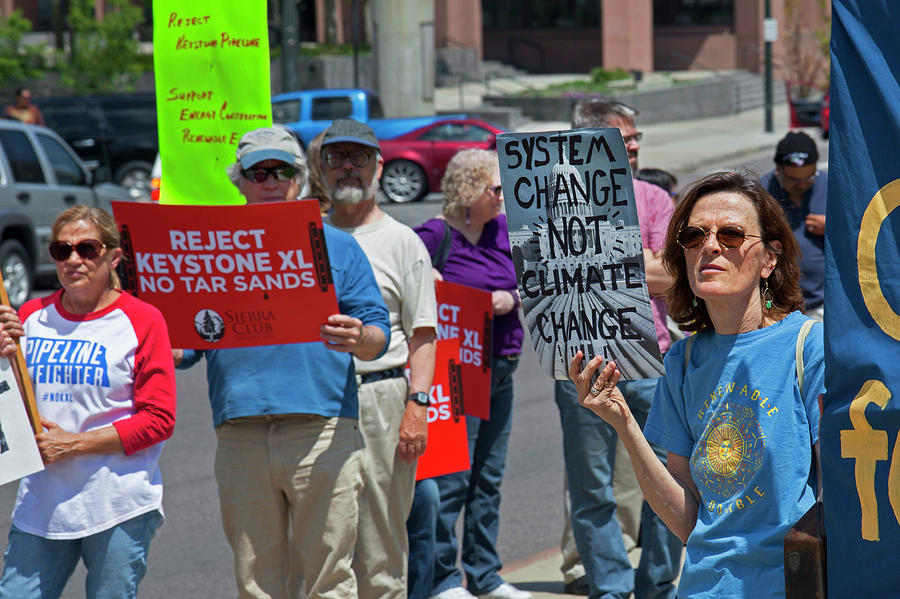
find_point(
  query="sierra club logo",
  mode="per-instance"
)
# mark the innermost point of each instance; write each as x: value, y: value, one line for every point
x: 209, y: 325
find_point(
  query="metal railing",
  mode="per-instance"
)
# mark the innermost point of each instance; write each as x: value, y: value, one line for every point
x: 516, y: 40
x: 484, y: 79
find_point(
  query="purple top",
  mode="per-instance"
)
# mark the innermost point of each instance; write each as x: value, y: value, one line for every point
x: 487, y: 265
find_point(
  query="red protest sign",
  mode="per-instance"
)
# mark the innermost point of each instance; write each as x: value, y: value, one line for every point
x: 230, y: 276
x: 448, y: 445
x: 465, y: 313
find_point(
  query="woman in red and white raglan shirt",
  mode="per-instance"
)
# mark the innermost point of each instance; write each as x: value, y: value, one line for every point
x: 101, y: 364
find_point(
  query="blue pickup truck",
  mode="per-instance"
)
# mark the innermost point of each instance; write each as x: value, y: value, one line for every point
x: 309, y: 112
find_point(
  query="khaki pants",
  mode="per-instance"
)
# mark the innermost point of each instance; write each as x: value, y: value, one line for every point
x: 382, y: 547
x: 288, y: 488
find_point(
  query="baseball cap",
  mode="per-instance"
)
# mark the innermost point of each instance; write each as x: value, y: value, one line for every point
x: 350, y: 130
x: 269, y: 143
x: 796, y: 149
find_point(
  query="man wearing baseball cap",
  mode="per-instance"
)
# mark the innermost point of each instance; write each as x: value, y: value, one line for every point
x: 289, y: 452
x: 802, y: 191
x: 392, y: 413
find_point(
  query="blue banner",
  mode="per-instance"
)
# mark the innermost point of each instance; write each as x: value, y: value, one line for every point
x: 859, y: 429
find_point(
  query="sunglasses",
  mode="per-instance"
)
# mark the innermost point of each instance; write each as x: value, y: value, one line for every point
x: 799, y: 180
x: 358, y: 158
x: 88, y: 249
x: 495, y: 190
x: 259, y: 174
x: 692, y: 238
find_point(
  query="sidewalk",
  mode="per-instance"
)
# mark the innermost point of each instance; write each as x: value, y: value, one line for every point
x: 678, y: 146
x: 689, y: 145
x: 540, y: 575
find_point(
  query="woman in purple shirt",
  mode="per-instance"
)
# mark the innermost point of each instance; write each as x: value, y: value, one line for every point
x: 479, y: 256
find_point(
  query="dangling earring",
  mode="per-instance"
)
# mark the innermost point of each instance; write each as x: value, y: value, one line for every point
x: 767, y: 294
x: 694, y: 301
x: 468, y: 216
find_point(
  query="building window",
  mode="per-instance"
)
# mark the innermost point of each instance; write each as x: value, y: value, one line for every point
x: 498, y: 15
x: 693, y: 13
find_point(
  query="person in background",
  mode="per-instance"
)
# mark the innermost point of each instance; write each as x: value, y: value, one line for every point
x: 740, y: 428
x: 289, y: 450
x: 101, y: 366
x: 802, y: 190
x: 393, y: 414
x: 315, y: 187
x: 23, y: 110
x: 479, y: 256
x: 603, y: 493
x: 660, y: 178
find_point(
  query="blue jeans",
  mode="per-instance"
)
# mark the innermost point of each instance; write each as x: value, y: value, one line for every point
x: 420, y: 529
x: 478, y: 490
x: 589, y: 449
x: 116, y: 561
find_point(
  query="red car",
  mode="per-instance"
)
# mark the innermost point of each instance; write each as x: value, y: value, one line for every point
x: 414, y: 163
x: 824, y: 115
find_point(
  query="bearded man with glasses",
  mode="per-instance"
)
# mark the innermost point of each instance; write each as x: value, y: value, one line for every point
x: 392, y: 413
x: 802, y: 192
x: 289, y: 451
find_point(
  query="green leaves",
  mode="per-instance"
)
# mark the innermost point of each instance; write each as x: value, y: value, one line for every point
x: 103, y: 54
x: 18, y: 62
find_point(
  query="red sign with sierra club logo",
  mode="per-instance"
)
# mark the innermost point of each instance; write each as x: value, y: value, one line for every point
x: 466, y: 313
x: 230, y: 276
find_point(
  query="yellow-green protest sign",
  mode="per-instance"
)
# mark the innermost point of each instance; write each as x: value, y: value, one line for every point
x: 211, y: 61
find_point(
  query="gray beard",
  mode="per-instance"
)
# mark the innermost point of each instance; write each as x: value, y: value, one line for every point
x: 350, y: 196
x: 347, y: 196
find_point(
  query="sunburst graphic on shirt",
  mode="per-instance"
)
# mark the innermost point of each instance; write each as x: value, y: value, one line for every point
x: 730, y: 451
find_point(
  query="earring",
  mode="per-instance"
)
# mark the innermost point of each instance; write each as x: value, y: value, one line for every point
x: 694, y: 301
x: 767, y: 294
x: 468, y: 216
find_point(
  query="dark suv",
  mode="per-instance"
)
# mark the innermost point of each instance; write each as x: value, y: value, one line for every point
x: 115, y: 135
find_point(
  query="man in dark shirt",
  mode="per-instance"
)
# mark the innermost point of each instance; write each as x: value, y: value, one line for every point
x: 802, y: 191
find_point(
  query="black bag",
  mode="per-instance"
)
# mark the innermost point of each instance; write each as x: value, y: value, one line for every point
x: 804, y: 556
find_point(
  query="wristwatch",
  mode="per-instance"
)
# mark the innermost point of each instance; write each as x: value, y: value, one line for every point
x: 420, y: 398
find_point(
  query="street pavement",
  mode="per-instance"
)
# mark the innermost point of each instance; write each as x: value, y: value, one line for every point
x: 189, y: 557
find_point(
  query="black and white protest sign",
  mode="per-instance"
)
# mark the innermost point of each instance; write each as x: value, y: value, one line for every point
x: 576, y: 246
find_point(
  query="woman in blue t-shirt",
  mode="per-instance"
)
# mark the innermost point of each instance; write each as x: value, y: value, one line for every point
x: 736, y: 411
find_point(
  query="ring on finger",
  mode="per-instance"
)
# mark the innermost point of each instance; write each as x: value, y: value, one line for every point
x: 595, y: 391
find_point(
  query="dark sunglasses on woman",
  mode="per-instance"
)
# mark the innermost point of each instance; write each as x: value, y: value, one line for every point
x: 258, y: 174
x: 692, y: 238
x: 88, y: 249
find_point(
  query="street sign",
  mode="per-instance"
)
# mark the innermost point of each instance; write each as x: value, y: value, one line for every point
x: 770, y: 30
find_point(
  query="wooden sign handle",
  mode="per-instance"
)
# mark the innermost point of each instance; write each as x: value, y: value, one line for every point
x: 22, y: 377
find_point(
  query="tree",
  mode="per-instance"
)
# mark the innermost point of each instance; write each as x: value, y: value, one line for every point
x: 806, y: 52
x: 18, y: 62
x: 103, y: 54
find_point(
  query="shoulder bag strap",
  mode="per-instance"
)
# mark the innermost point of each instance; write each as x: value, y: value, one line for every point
x: 801, y: 339
x: 687, y: 350
x: 443, y: 250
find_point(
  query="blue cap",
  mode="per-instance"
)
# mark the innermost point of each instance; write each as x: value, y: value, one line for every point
x: 268, y: 143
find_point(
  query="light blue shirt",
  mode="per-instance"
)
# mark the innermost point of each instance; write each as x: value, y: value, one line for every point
x: 737, y: 413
